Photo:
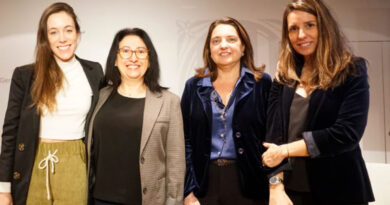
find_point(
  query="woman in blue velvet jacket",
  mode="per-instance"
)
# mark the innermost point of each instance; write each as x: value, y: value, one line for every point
x: 224, y: 115
x: 317, y: 113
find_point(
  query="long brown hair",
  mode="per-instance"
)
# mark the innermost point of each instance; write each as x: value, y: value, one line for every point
x: 332, y: 57
x: 246, y: 60
x: 48, y: 75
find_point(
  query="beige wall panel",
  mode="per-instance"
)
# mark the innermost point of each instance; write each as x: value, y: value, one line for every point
x: 386, y: 86
x: 373, y: 141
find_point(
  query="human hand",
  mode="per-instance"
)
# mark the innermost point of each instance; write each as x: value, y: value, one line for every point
x: 191, y: 200
x: 5, y: 199
x: 277, y: 195
x: 274, y: 155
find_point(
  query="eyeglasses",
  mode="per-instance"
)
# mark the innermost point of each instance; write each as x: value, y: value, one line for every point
x: 126, y: 52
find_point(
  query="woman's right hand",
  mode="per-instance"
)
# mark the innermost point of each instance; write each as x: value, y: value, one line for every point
x: 274, y: 155
x: 5, y: 199
x: 191, y: 200
x: 277, y: 195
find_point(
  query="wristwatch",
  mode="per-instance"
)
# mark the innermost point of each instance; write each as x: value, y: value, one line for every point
x: 275, y: 180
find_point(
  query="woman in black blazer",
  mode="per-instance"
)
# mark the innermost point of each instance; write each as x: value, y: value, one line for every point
x: 317, y: 113
x: 42, y: 97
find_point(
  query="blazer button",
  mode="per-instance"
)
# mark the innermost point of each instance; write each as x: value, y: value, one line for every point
x: 144, y: 190
x: 238, y: 134
x: 16, y: 175
x: 142, y: 160
x: 21, y: 147
x: 240, y: 150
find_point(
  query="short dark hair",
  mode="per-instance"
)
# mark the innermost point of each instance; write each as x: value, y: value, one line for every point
x: 152, y: 75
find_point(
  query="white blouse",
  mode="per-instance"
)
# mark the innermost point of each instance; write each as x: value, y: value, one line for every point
x: 67, y: 121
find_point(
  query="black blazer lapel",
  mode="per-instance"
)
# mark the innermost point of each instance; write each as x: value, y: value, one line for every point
x: 92, y: 74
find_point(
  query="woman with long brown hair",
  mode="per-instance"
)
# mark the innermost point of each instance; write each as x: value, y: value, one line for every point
x: 43, y: 156
x: 317, y: 112
x: 224, y: 115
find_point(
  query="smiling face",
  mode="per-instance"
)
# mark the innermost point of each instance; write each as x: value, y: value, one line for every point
x: 225, y: 46
x: 62, y: 35
x: 302, y: 32
x: 132, y: 67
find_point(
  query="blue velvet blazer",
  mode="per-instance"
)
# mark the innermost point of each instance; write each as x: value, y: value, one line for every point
x: 336, y: 121
x: 249, y: 121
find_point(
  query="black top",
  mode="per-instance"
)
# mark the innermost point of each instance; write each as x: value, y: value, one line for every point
x: 296, y: 179
x: 117, y: 136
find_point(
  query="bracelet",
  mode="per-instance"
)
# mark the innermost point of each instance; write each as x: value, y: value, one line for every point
x: 288, y: 153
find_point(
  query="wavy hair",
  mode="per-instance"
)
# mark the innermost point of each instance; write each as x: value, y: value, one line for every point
x: 332, y: 57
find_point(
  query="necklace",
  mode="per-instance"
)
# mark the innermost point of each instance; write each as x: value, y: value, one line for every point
x: 136, y: 93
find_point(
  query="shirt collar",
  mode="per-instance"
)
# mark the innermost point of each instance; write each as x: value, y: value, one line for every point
x: 206, y: 81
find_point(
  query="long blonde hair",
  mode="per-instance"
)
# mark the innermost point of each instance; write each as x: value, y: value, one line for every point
x: 331, y: 59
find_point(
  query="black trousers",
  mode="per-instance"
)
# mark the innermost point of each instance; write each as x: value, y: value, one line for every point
x: 224, y: 188
x: 306, y: 198
x: 101, y: 202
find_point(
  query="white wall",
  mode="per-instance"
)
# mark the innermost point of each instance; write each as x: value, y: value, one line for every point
x: 178, y: 29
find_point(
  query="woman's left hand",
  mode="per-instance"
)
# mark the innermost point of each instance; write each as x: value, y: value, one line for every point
x: 274, y: 155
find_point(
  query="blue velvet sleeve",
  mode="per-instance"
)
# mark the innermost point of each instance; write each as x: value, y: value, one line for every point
x: 190, y: 183
x: 345, y: 134
x: 274, y: 131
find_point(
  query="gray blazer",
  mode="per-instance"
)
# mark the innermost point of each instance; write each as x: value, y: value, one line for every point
x: 162, y: 151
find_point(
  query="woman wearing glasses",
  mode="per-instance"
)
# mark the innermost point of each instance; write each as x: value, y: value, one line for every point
x: 136, y: 140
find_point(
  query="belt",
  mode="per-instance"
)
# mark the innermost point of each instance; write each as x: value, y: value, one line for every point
x: 223, y: 162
